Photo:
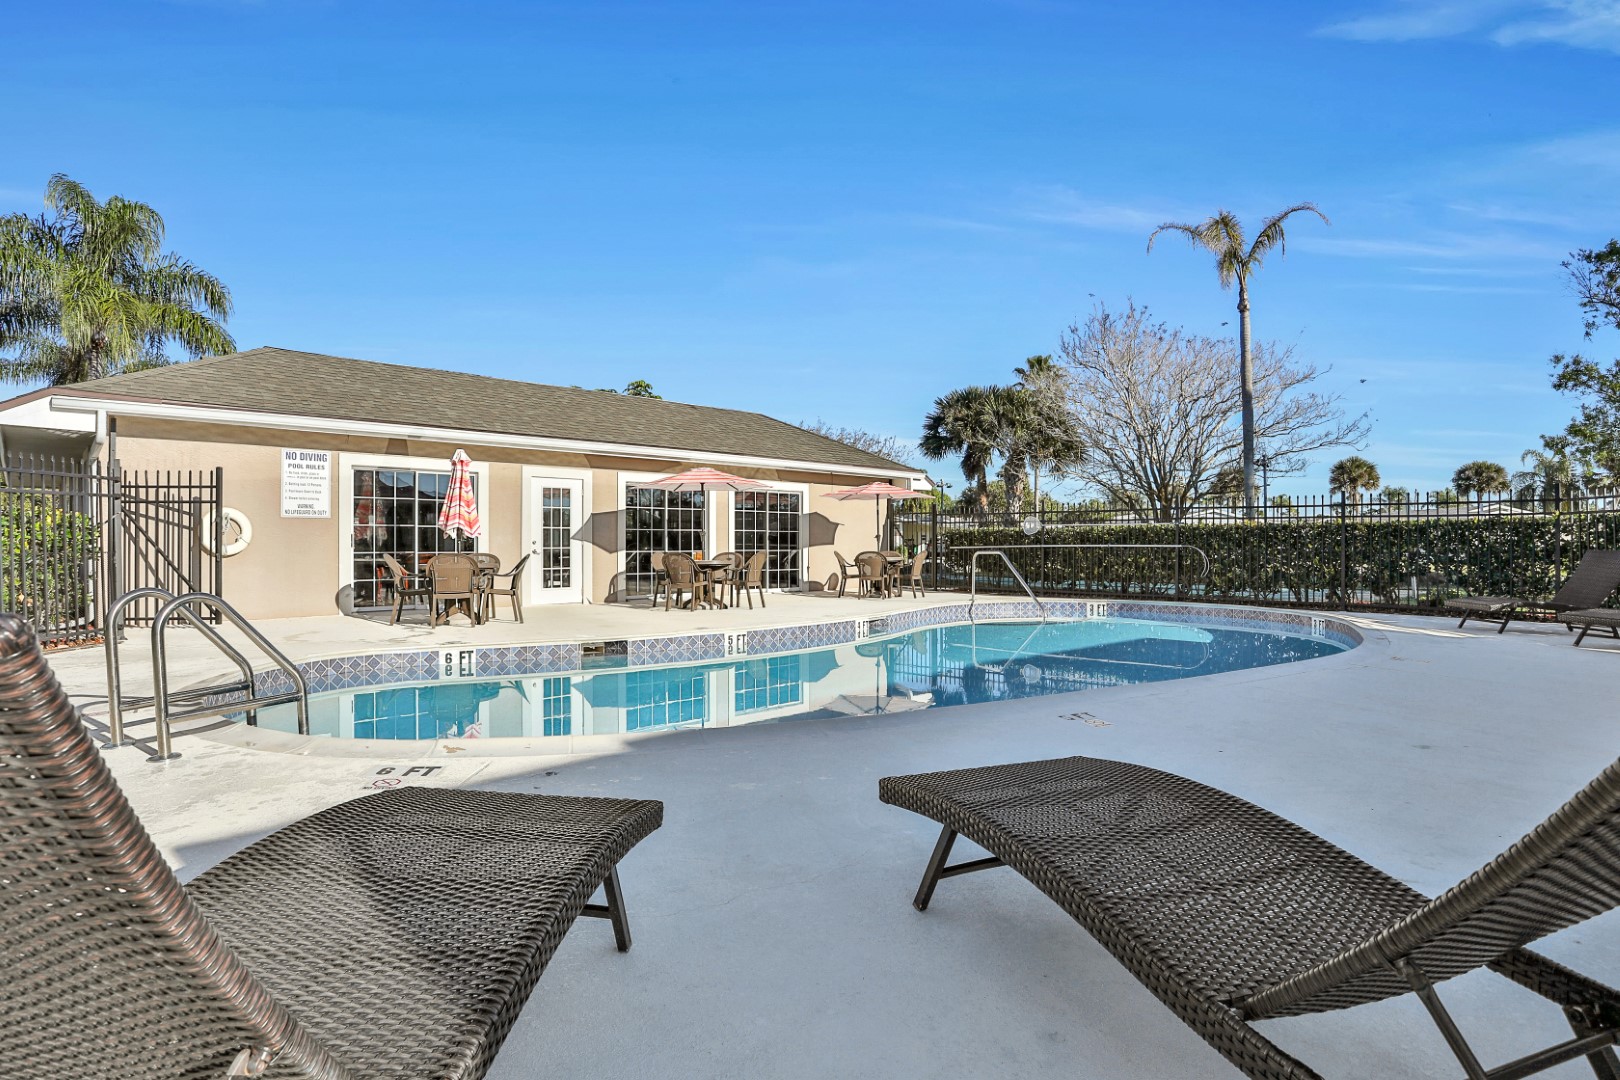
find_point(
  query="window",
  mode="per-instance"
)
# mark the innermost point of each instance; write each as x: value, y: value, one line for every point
x: 768, y: 521
x: 396, y: 512
x: 666, y: 698
x: 657, y: 520
x: 557, y: 706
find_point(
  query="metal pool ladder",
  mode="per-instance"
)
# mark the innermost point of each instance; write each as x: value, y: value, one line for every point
x: 1001, y: 552
x: 162, y: 702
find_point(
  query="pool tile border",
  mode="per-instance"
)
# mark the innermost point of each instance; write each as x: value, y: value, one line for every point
x: 428, y: 665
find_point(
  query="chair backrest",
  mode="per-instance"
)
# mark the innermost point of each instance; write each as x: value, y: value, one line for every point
x: 656, y: 561
x: 516, y: 573
x: 754, y: 570
x: 731, y: 557
x: 1592, y: 582
x: 487, y: 561
x: 1562, y: 873
x: 871, y: 563
x: 111, y: 969
x: 843, y: 563
x: 453, y: 573
x: 917, y: 564
x: 680, y: 567
x: 402, y: 579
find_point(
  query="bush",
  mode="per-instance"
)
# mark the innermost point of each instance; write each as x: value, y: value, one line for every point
x: 48, y: 555
x: 1306, y: 561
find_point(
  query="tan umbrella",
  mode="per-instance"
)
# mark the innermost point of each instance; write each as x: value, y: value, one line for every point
x: 878, y: 492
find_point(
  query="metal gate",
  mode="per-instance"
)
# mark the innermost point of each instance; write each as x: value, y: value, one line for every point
x: 74, y: 536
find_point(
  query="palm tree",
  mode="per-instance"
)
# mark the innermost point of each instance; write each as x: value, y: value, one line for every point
x: 89, y: 291
x: 965, y: 424
x: 1480, y: 478
x: 1549, y: 474
x: 1038, y: 430
x: 1350, y: 477
x: 1223, y: 236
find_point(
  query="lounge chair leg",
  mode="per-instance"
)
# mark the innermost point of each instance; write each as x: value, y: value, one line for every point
x: 1582, y: 636
x: 937, y: 868
x: 1442, y: 1019
x: 613, y: 910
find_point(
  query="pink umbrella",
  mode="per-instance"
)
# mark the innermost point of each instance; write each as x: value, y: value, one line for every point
x: 876, y: 491
x: 459, y: 514
x: 702, y: 479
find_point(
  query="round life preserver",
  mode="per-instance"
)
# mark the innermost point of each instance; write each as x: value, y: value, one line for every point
x: 232, y: 521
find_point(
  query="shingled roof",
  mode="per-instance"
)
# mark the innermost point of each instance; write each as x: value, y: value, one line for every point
x: 296, y: 383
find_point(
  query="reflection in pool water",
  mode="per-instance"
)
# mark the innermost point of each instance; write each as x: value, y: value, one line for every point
x: 950, y: 665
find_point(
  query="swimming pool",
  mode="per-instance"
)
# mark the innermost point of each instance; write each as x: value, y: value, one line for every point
x: 923, y: 669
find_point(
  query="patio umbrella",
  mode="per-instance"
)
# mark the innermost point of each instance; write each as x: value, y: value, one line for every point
x: 878, y: 491
x: 459, y: 514
x: 704, y: 479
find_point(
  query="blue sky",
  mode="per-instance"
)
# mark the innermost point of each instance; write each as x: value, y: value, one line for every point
x: 843, y: 210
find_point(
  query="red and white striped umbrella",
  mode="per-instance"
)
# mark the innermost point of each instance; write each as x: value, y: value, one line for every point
x: 703, y: 479
x: 877, y: 491
x: 459, y: 514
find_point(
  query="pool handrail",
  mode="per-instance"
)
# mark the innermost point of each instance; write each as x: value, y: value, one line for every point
x: 1002, y: 549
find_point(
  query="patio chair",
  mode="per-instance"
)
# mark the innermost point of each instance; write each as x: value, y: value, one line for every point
x: 683, y: 577
x: 1592, y: 582
x: 846, y: 570
x: 397, y: 935
x: 403, y: 586
x: 1230, y: 914
x: 750, y: 579
x: 655, y: 561
x: 453, y: 579
x: 871, y: 566
x: 1589, y: 619
x: 912, y: 574
x: 509, y: 584
x: 488, y: 566
x: 725, y: 580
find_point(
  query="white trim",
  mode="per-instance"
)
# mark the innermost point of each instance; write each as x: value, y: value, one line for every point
x: 803, y: 491
x: 347, y: 463
x: 583, y: 521
x: 203, y: 414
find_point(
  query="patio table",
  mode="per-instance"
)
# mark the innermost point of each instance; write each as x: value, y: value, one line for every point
x: 709, y: 567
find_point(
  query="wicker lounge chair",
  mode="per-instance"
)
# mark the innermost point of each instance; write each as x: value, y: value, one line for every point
x: 1591, y: 583
x: 397, y: 935
x: 1589, y: 619
x: 1229, y: 913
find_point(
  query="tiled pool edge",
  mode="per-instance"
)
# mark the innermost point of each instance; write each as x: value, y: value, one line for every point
x: 494, y: 661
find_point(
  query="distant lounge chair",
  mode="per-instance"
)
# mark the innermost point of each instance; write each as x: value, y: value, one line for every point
x: 1589, y: 619
x: 1230, y: 914
x: 1592, y: 582
x: 395, y: 935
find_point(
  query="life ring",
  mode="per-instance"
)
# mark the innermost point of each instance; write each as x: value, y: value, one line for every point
x: 232, y: 521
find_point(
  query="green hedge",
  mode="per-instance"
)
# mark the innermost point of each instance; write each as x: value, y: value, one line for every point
x: 46, y: 554
x: 1316, y: 561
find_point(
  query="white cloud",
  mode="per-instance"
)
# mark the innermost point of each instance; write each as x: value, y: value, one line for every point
x: 1065, y: 206
x: 1588, y: 24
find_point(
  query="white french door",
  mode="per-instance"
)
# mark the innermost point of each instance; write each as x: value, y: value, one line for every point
x: 556, y: 510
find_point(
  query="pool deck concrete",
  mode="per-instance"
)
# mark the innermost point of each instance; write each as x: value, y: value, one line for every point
x: 772, y: 918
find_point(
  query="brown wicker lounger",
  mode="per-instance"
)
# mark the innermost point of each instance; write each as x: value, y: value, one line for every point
x: 1592, y: 582
x: 394, y: 936
x: 1229, y: 913
x: 1589, y: 619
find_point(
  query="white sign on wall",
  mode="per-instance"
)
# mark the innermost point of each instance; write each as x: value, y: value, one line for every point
x: 306, y: 483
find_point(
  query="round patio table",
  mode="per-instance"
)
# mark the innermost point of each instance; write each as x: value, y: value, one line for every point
x: 708, y: 567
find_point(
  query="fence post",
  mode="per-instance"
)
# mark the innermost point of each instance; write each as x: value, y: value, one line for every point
x: 115, y: 535
x: 933, y: 540
x: 1344, y: 553
x: 218, y: 538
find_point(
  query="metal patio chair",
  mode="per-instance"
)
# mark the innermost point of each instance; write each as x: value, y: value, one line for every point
x: 1591, y: 583
x: 397, y: 935
x: 1230, y: 914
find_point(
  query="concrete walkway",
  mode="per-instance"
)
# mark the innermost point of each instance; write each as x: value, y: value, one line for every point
x: 774, y: 933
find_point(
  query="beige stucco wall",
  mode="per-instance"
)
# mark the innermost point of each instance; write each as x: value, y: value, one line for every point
x: 295, y: 567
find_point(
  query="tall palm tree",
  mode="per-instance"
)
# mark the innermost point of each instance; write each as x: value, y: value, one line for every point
x: 966, y: 424
x: 1222, y: 235
x: 1550, y: 474
x: 1479, y: 479
x: 90, y: 292
x: 1351, y: 476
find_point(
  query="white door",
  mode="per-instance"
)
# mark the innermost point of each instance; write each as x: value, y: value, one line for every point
x: 556, y: 570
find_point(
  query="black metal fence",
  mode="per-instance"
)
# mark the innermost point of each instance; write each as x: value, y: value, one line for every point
x: 75, y: 535
x: 1334, y: 553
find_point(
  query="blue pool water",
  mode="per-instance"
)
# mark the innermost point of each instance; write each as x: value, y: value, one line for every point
x: 924, y: 669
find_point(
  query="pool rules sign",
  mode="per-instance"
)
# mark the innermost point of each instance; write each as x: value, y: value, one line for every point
x: 306, y: 483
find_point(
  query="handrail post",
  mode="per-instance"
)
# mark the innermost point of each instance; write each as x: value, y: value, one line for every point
x: 112, y: 629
